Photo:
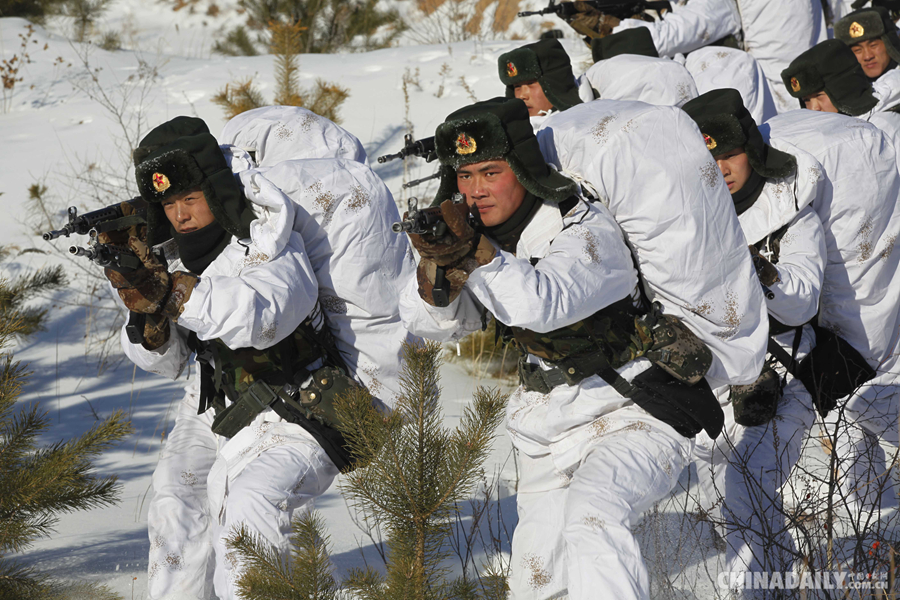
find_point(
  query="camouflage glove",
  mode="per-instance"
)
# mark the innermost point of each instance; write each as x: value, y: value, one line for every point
x: 455, y: 245
x: 156, y: 331
x: 592, y: 23
x: 766, y: 271
x: 151, y: 289
x: 456, y: 274
x: 119, y: 237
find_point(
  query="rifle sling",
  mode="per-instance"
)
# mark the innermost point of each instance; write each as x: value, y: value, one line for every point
x: 788, y: 361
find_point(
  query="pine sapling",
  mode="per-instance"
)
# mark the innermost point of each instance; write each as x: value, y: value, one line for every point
x: 38, y: 483
x: 410, y: 474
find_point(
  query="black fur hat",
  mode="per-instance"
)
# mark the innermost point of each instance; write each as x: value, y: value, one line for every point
x: 831, y: 66
x: 546, y: 62
x: 869, y: 24
x: 181, y: 155
x: 630, y: 41
x: 726, y: 124
x: 497, y: 128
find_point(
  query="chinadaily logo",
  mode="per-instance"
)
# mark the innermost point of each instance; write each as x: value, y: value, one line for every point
x: 822, y: 580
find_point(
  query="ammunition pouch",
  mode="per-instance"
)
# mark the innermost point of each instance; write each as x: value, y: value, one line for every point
x: 832, y: 370
x: 258, y: 397
x: 672, y: 390
x: 317, y: 400
x: 255, y: 380
x: 570, y: 371
x: 756, y: 403
x: 688, y: 409
x: 668, y: 343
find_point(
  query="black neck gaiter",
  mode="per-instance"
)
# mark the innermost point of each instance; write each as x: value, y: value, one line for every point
x: 747, y: 195
x: 199, y: 248
x: 507, y: 233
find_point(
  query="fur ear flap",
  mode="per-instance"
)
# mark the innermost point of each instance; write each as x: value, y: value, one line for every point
x: 141, y: 153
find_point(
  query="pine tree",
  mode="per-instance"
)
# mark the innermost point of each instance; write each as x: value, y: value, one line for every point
x: 411, y: 474
x: 324, y: 99
x: 38, y: 483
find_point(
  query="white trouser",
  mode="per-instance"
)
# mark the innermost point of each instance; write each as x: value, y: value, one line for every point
x: 575, y: 527
x: 865, y: 482
x: 188, y: 558
x: 740, y: 474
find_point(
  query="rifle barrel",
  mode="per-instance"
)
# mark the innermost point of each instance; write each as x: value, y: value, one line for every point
x: 56, y: 233
x: 388, y: 157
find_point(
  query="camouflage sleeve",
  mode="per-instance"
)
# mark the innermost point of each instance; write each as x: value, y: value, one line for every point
x: 168, y: 360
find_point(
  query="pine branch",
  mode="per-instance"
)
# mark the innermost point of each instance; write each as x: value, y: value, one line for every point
x: 19, y: 582
x: 265, y: 575
x: 312, y: 566
x: 366, y: 584
x: 55, y: 479
x: 239, y: 97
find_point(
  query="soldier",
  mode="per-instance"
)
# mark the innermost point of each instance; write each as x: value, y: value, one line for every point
x: 719, y: 67
x: 859, y: 308
x: 602, y: 432
x: 629, y: 41
x: 627, y: 67
x: 241, y: 288
x: 540, y: 74
x: 828, y: 78
x: 743, y: 470
x: 772, y: 31
x: 872, y: 36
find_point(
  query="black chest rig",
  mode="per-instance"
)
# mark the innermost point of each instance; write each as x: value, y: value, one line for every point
x: 254, y: 380
x: 672, y: 390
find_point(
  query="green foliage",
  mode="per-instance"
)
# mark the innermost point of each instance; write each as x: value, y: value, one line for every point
x: 285, y: 46
x: 85, y: 13
x: 414, y: 472
x: 267, y: 575
x: 239, y: 97
x: 14, y: 294
x: 38, y: 483
x: 110, y: 40
x: 410, y: 475
x: 333, y: 25
x: 236, y: 43
x: 33, y: 10
x: 324, y: 99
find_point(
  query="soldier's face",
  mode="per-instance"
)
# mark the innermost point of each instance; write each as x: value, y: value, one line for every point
x: 188, y: 211
x: 819, y: 102
x: 735, y: 168
x: 872, y: 56
x: 532, y: 94
x: 492, y: 190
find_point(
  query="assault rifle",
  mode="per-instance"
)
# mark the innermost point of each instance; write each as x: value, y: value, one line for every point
x: 621, y: 9
x: 429, y: 221
x: 118, y: 216
x: 423, y: 148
